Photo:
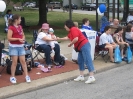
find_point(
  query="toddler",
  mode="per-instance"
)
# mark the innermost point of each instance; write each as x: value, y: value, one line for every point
x: 51, y: 35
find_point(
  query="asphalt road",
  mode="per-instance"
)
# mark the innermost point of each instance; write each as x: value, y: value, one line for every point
x: 116, y: 83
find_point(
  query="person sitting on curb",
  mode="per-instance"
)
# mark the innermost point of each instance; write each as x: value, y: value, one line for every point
x: 83, y: 46
x: 129, y: 35
x: 115, y: 23
x: 118, y: 39
x: 130, y: 18
x: 106, y: 41
x: 86, y: 25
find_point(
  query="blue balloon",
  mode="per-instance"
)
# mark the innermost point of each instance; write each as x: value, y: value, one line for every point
x: 102, y: 8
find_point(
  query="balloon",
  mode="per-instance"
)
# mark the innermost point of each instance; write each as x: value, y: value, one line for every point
x: 102, y: 8
x: 2, y: 6
x: 98, y: 11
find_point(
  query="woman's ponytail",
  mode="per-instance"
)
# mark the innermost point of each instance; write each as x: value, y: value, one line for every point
x: 10, y: 21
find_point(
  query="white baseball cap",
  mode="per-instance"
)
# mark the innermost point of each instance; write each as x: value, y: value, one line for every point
x: 51, y: 30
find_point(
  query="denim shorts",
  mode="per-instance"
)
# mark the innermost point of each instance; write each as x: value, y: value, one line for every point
x: 16, y: 51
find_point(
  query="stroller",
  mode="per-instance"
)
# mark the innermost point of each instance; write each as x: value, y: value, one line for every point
x: 28, y: 56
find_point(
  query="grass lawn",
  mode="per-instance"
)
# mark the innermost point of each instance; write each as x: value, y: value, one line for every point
x: 55, y: 19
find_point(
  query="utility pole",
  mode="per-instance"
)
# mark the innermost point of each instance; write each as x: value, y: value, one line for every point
x: 70, y: 10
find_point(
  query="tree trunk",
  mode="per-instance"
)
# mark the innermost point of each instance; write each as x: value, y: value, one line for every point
x: 42, y: 12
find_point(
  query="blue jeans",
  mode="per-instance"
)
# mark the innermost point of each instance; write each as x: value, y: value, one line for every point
x: 84, y: 57
x: 47, y: 50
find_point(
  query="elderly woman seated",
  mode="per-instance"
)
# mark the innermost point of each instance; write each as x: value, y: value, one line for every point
x: 106, y: 41
x: 42, y: 42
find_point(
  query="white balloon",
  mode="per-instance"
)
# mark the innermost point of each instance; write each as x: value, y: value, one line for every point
x: 98, y: 11
x: 2, y: 6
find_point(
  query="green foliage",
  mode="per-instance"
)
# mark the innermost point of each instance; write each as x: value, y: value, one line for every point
x: 55, y: 19
x: 15, y: 1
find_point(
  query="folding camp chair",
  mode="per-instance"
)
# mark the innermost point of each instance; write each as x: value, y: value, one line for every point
x: 34, y: 47
x: 28, y: 56
x: 101, y: 51
x: 3, y: 56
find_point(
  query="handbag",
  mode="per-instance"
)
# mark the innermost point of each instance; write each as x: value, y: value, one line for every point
x: 129, y: 55
x: 117, y: 55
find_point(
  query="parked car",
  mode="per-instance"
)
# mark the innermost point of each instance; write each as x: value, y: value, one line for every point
x: 18, y: 8
x: 55, y: 5
x: 89, y: 7
x: 31, y: 5
x: 25, y: 4
x: 116, y: 8
x: 74, y: 6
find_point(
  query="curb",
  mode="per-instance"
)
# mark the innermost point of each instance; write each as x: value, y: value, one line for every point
x: 47, y: 82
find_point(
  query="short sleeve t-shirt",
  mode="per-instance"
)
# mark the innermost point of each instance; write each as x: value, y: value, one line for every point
x: 129, y: 18
x: 105, y: 38
x: 40, y: 37
x: 75, y: 32
x: 117, y: 36
x: 129, y: 38
x: 17, y: 32
x: 87, y: 27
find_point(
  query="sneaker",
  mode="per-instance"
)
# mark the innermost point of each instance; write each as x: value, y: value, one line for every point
x: 13, y: 80
x: 50, y: 66
x: 79, y: 78
x: 56, y: 63
x: 27, y: 79
x: 91, y: 79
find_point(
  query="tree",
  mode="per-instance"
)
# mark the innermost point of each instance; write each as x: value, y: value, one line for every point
x: 42, y: 12
x: 42, y: 9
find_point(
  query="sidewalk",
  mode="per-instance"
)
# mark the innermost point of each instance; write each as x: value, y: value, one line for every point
x: 20, y: 88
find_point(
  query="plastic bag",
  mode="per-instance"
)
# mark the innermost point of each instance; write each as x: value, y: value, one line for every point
x: 117, y: 55
x: 129, y: 55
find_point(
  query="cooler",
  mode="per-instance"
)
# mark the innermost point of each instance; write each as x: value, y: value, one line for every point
x: 91, y: 35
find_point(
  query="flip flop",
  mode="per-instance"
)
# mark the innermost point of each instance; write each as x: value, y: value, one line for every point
x: 60, y: 66
x: 46, y: 70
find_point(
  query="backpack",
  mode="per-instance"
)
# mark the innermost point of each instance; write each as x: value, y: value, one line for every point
x: 18, y: 71
x: 62, y: 60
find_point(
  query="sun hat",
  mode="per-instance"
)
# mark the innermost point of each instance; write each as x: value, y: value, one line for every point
x: 51, y: 30
x: 45, y: 26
